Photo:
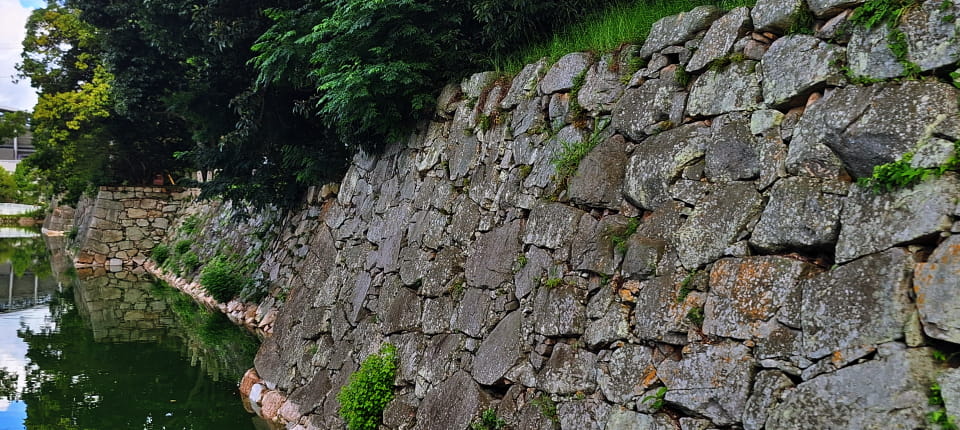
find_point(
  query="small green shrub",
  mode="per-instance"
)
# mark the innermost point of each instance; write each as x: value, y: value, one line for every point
x: 160, y: 253
x: 190, y: 225
x: 181, y: 247
x: 72, y: 234
x: 657, y: 399
x: 488, y: 421
x: 363, y: 399
x: 802, y: 21
x: 681, y: 76
x: 189, y: 261
x: 220, y: 279
x: 686, y: 286
x: 553, y: 282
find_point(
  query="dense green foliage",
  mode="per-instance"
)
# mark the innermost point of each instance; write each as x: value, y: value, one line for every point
x: 160, y: 253
x: 220, y: 279
x: 272, y: 95
x: 369, y: 390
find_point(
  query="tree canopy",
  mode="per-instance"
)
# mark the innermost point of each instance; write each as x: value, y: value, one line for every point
x: 272, y: 95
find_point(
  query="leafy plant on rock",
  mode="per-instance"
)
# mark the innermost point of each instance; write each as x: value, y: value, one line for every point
x: 488, y: 421
x: 220, y: 279
x: 363, y: 399
x: 160, y: 253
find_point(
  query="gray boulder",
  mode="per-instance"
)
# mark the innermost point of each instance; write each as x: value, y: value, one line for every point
x: 569, y: 370
x: 869, y: 54
x: 492, y: 256
x: 803, y: 213
x: 873, y: 222
x: 659, y: 161
x: 560, y: 77
x: 867, y: 126
x: 746, y: 294
x: 601, y: 86
x: 720, y: 220
x: 775, y: 15
x: 587, y: 414
x: 499, y: 351
x: 559, y: 311
x: 826, y: 8
x: 720, y: 38
x: 732, y: 154
x: 796, y: 65
x: 474, y: 85
x: 627, y: 373
x: 949, y: 381
x: 451, y: 405
x: 676, y: 29
x: 622, y: 419
x: 890, y: 393
x: 875, y: 307
x: 599, y: 178
x: 524, y: 86
x: 714, y: 381
x: 734, y: 88
x: 551, y: 225
x: 935, y: 284
x: 641, y: 110
x: 659, y: 316
x: 768, y: 388
x: 931, y: 31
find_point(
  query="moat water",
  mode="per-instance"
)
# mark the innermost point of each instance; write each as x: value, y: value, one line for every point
x: 88, y: 350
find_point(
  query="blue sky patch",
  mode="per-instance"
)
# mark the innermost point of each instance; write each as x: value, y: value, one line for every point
x: 33, y: 4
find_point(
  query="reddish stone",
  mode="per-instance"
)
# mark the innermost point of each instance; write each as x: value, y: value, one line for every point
x: 270, y: 405
x: 249, y: 378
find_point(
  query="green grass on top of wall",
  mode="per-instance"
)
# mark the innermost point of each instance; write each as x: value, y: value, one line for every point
x: 605, y: 31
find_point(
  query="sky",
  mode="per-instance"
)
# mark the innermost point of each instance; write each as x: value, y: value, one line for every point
x: 13, y: 17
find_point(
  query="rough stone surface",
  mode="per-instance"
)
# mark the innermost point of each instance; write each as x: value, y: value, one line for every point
x: 720, y: 38
x: 931, y: 32
x: 802, y: 214
x: 452, y: 404
x: 561, y: 75
x: 746, y: 294
x: 860, y: 303
x: 599, y: 179
x: 656, y: 164
x: 715, y: 381
x: 872, y: 222
x: 949, y: 381
x: 822, y: 8
x: 734, y: 88
x: 569, y: 370
x: 768, y: 387
x: 732, y: 153
x: 627, y: 373
x: 774, y: 15
x: 869, y: 54
x: 718, y: 222
x: 601, y: 86
x: 796, y: 65
x: 499, y: 351
x: 676, y: 29
x: 935, y: 286
x: 640, y: 110
x: 890, y: 393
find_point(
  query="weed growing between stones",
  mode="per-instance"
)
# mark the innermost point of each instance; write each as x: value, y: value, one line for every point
x: 657, y: 399
x: 695, y: 315
x: 553, y: 282
x: 190, y: 225
x: 363, y: 399
x: 901, y: 174
x: 681, y: 76
x: 939, y: 417
x: 577, y: 111
x: 568, y: 159
x: 802, y: 21
x: 220, y: 279
x: 721, y: 63
x: 620, y: 240
x: 547, y: 407
x: 488, y: 421
x: 686, y: 286
x: 72, y: 234
x: 888, y: 12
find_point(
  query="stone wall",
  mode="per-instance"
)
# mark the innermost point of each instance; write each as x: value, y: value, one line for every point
x: 120, y: 307
x: 122, y: 224
x: 712, y: 242
x: 711, y: 247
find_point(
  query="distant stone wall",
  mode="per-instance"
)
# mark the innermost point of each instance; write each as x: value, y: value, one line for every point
x: 711, y: 249
x: 120, y: 307
x: 122, y: 224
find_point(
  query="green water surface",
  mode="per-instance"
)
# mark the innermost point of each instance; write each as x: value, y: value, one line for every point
x: 117, y: 351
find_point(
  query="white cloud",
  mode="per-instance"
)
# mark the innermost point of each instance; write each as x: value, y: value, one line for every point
x: 13, y: 18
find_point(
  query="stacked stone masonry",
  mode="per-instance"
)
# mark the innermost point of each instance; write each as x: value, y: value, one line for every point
x: 122, y: 224
x: 713, y: 242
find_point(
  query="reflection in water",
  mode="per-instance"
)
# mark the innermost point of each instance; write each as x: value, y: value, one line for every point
x: 116, y: 351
